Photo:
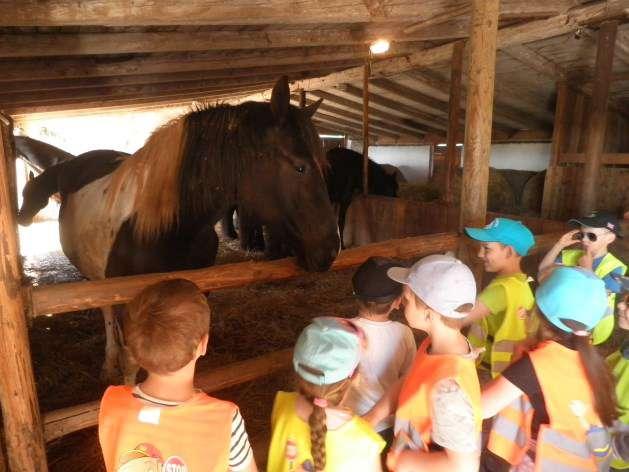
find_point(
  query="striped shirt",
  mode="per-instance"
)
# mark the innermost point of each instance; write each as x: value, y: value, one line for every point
x: 240, y: 452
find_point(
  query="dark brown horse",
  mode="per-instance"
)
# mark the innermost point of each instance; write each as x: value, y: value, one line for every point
x: 156, y: 212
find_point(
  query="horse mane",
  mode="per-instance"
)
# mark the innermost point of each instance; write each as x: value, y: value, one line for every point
x: 192, y: 162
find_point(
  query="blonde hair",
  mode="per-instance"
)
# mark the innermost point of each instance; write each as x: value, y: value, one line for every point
x: 317, y: 420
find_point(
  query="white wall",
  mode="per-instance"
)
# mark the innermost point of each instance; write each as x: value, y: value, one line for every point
x: 520, y: 156
x: 413, y: 161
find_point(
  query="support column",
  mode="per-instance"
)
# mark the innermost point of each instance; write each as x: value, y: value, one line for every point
x: 23, y: 430
x: 595, y: 137
x: 454, y: 113
x: 556, y: 148
x: 479, y: 110
x: 366, y: 74
x: 302, y: 99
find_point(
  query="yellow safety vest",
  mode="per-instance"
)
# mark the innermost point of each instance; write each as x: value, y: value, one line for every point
x: 351, y: 447
x: 561, y: 445
x: 570, y: 257
x: 515, y: 328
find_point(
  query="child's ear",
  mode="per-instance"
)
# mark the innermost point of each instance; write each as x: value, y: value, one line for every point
x: 202, y: 347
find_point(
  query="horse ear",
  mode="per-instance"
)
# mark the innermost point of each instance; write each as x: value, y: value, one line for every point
x: 280, y: 99
x: 31, y: 176
x: 311, y: 109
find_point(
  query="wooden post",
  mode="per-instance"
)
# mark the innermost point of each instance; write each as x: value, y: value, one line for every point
x: 478, y: 116
x: 23, y: 430
x: 595, y: 137
x: 302, y: 99
x: 366, y: 73
x: 551, y: 181
x: 454, y: 113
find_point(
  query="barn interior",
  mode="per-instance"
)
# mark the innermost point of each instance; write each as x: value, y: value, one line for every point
x: 486, y: 107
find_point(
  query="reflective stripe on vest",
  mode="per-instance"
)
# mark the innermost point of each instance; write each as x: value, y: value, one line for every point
x: 500, y: 346
x: 561, y: 445
x: 570, y: 257
x: 415, y: 404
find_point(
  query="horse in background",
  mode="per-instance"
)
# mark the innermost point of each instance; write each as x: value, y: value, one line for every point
x: 157, y: 210
x: 39, y: 154
x: 64, y: 178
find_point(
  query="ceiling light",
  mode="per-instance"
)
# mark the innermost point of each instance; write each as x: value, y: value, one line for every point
x: 379, y: 47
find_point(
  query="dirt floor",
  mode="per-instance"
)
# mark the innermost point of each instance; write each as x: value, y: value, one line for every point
x: 246, y: 322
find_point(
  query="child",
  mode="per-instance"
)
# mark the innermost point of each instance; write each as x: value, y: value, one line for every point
x: 310, y: 430
x: 164, y: 423
x: 596, y: 232
x: 556, y: 402
x: 500, y: 318
x: 390, y: 345
x: 438, y: 404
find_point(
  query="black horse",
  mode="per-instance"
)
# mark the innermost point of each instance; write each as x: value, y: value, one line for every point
x: 156, y: 211
x: 344, y: 179
x: 39, y: 154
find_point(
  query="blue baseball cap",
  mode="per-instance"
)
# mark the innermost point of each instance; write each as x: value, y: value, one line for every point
x: 506, y: 231
x: 572, y: 293
x: 327, y: 350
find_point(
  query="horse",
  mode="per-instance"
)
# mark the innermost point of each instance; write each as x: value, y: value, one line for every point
x: 157, y: 210
x: 39, y: 154
x: 64, y: 178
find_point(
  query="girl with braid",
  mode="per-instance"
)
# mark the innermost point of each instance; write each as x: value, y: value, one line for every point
x: 311, y: 432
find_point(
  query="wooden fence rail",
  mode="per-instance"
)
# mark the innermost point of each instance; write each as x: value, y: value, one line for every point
x: 61, y: 298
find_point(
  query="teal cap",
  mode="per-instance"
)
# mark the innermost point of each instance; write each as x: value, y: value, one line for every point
x: 572, y: 293
x: 327, y: 351
x: 506, y: 231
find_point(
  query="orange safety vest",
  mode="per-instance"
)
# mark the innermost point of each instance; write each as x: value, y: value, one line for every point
x: 194, y: 436
x: 415, y: 403
x: 561, y: 445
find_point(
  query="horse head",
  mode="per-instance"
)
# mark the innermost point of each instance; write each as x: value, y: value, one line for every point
x: 34, y: 198
x: 284, y: 187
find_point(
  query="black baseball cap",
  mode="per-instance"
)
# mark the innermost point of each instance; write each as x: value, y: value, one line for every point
x: 371, y: 282
x: 599, y: 220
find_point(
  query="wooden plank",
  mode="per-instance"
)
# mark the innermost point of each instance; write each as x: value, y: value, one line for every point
x: 458, y: 10
x: 557, y: 25
x: 478, y: 116
x: 355, y: 126
x: 366, y: 73
x: 537, y: 62
x: 595, y: 137
x: 576, y: 127
x: 242, y: 12
x: 406, y: 92
x: 399, y: 121
x: 74, y: 296
x: 22, y: 425
x: 551, y: 180
x: 78, y: 67
x: 609, y: 158
x: 58, y: 423
x: 454, y: 112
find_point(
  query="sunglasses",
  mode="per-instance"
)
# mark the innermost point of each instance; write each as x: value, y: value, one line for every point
x: 581, y: 235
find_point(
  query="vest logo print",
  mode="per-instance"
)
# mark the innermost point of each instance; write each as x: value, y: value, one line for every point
x: 175, y: 464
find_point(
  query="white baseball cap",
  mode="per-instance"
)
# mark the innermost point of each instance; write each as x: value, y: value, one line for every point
x: 441, y: 281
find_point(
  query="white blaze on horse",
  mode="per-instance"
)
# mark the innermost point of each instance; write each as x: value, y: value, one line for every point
x: 157, y: 210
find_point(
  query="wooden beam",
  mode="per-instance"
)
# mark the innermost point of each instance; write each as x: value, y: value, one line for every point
x: 61, y: 422
x: 478, y: 116
x: 389, y: 117
x: 74, y: 296
x: 410, y: 94
x: 241, y: 12
x: 608, y: 158
x: 441, y: 17
x: 576, y: 124
x: 562, y: 23
x: 524, y: 54
x: 427, y: 119
x: 595, y: 134
x: 357, y: 127
x: 559, y: 131
x: 366, y: 74
x: 22, y: 425
x: 58, y: 68
x: 454, y: 111
x: 314, y: 68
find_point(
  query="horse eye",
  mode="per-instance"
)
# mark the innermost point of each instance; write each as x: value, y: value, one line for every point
x: 300, y: 169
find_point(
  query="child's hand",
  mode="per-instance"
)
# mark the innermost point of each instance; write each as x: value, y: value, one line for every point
x: 568, y: 239
x: 401, y: 461
x: 623, y: 315
x: 587, y: 260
